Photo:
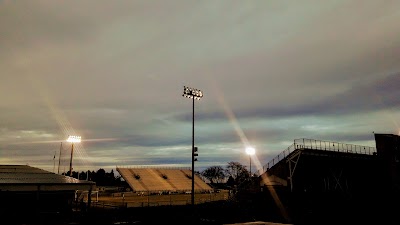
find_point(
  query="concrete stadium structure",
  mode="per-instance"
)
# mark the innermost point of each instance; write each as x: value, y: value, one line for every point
x: 319, y: 181
x: 320, y: 165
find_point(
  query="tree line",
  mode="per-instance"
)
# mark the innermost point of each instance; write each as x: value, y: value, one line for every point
x: 101, y: 177
x: 233, y: 174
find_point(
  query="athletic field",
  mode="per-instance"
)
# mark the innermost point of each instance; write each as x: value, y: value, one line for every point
x: 130, y: 199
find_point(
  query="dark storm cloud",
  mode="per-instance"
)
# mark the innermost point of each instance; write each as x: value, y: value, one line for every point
x: 364, y: 97
x: 383, y: 93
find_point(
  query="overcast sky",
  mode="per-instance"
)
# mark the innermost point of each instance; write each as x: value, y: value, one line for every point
x: 113, y: 72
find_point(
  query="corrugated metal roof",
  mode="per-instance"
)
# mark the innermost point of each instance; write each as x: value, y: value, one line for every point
x: 23, y: 174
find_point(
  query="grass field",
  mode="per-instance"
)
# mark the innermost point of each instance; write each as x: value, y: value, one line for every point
x: 138, y: 200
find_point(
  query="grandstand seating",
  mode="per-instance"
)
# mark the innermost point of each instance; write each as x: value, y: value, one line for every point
x: 162, y: 180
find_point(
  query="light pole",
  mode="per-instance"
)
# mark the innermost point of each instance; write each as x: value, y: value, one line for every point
x: 250, y: 151
x: 72, y: 140
x: 59, y: 159
x: 193, y: 94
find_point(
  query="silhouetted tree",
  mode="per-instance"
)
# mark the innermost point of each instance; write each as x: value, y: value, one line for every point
x: 100, y: 177
x: 75, y: 174
x: 230, y: 182
x: 82, y: 176
x: 215, y: 174
x: 237, y: 171
x: 92, y: 175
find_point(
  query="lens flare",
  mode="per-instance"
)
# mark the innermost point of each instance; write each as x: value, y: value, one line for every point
x: 240, y: 133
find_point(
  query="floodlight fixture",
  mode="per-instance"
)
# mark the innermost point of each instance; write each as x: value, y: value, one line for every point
x: 250, y: 151
x: 74, y: 139
x: 189, y: 92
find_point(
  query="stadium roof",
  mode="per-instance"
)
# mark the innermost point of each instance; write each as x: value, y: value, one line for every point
x: 162, y: 179
x: 27, y: 178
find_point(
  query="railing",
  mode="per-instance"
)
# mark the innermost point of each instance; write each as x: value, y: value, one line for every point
x: 278, y: 158
x: 304, y: 143
x: 333, y: 146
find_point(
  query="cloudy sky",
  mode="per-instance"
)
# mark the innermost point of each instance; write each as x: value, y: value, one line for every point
x: 113, y: 72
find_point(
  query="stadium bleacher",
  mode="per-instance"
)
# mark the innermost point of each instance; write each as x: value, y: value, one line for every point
x: 162, y: 180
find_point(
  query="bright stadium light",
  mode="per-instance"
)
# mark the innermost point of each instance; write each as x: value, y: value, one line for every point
x: 72, y: 139
x: 250, y: 151
x: 192, y: 93
x: 189, y: 92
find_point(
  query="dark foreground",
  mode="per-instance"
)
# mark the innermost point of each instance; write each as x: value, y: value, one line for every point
x: 223, y: 212
x: 304, y: 209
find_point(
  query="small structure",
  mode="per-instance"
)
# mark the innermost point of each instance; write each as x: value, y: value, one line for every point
x: 28, y: 192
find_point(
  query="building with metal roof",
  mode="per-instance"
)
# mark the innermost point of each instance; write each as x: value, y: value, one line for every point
x: 27, y: 178
x: 27, y: 192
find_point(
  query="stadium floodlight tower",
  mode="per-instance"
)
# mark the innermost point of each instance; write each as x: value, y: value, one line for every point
x: 72, y: 140
x: 250, y: 151
x: 193, y: 94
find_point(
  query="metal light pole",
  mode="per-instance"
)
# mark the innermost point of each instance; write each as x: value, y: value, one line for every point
x: 72, y: 140
x: 250, y: 151
x: 54, y: 162
x: 59, y: 159
x: 193, y: 94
